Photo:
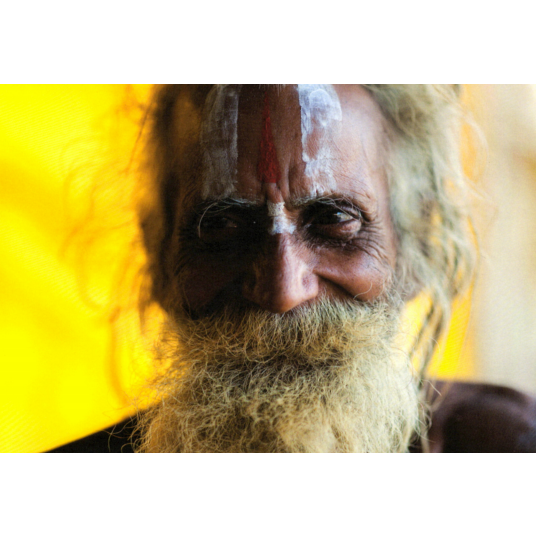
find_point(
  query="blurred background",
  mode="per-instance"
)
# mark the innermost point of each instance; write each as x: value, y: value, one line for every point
x: 65, y: 154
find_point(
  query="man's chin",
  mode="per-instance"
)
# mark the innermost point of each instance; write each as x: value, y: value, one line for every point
x: 329, y: 380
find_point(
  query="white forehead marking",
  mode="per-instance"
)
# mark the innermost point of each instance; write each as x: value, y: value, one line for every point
x: 219, y: 137
x: 321, y: 114
x: 281, y: 223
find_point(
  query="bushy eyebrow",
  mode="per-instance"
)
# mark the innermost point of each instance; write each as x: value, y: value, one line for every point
x: 328, y: 200
x: 363, y: 204
x: 360, y: 205
x: 225, y: 203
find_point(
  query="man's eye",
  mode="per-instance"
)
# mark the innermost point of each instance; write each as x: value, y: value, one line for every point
x: 212, y: 229
x: 334, y: 217
x: 335, y: 223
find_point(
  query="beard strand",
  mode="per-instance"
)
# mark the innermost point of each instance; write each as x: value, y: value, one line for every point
x: 324, y: 378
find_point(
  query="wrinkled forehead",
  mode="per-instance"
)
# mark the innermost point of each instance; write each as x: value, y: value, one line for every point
x: 279, y: 128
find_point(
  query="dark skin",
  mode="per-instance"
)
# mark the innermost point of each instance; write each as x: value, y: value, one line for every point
x: 337, y: 239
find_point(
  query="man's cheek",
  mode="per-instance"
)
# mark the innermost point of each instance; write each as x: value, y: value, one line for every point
x: 203, y: 280
x: 361, y: 275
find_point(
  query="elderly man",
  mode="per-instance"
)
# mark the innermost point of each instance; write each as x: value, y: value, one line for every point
x: 289, y: 227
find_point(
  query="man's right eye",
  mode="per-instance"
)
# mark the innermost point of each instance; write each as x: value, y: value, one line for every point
x: 218, y: 228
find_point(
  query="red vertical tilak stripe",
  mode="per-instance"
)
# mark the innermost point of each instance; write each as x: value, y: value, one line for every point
x: 268, y: 167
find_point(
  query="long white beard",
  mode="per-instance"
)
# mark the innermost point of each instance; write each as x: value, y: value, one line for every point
x: 327, y: 378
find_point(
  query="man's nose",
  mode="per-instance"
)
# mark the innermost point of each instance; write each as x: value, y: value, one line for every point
x: 281, y: 277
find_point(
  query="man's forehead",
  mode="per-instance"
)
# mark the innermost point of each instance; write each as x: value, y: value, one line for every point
x: 319, y: 103
x: 276, y: 131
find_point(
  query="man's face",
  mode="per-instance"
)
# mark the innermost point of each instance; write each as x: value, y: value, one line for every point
x: 283, y: 316
x: 289, y: 202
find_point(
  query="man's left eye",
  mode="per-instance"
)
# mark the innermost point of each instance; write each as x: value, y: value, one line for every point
x: 331, y: 218
x: 335, y: 223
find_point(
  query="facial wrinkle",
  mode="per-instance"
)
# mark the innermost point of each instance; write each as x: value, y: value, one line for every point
x: 219, y: 137
x: 321, y: 117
